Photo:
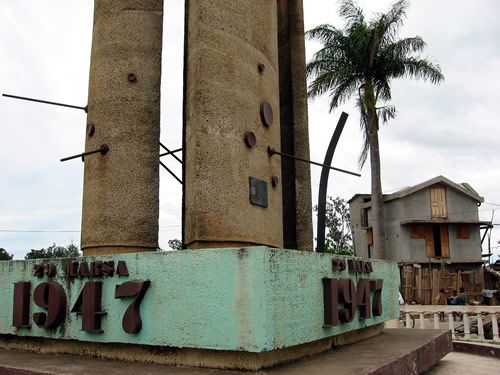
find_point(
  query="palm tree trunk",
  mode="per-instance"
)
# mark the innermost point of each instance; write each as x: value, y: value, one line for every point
x: 377, y: 201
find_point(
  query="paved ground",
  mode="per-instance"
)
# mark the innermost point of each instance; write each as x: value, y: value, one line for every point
x: 463, y: 363
x: 382, y: 351
x: 453, y: 363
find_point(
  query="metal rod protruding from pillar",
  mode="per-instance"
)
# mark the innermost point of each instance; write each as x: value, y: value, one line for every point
x: 271, y: 151
x: 46, y: 102
x: 170, y: 152
x: 172, y: 173
x: 103, y: 150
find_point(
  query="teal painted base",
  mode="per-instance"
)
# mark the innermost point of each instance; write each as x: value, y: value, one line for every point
x: 253, y: 299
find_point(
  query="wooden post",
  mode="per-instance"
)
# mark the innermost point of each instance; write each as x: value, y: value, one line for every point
x: 408, y: 284
x: 418, y: 285
x: 435, y: 285
x: 479, y: 281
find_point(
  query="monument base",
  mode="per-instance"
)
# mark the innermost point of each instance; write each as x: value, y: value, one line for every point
x: 396, y: 351
x: 246, y: 308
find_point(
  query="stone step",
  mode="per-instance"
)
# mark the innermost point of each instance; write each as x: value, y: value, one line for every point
x: 396, y: 351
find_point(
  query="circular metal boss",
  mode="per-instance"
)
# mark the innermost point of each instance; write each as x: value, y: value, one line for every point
x: 266, y: 114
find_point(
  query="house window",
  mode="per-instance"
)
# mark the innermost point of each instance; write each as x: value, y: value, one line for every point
x: 437, y: 242
x: 462, y: 232
x: 369, y: 236
x: 436, y: 236
x: 439, y: 209
x: 417, y: 231
x: 364, y: 217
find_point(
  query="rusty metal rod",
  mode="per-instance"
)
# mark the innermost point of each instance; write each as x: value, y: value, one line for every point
x: 170, y: 152
x: 271, y: 151
x: 103, y: 150
x: 172, y: 173
x: 45, y: 102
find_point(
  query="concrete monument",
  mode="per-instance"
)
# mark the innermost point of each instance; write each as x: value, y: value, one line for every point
x: 245, y: 90
x: 121, y: 188
x: 235, y: 305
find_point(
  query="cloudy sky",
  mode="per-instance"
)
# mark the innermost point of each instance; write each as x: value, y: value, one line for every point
x: 448, y: 130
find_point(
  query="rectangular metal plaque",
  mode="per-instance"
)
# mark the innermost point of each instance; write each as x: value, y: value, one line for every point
x: 258, y: 192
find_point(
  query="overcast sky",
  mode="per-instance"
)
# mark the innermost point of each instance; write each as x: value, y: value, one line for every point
x: 449, y: 130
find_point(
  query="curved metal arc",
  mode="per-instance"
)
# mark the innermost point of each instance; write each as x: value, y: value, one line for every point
x: 323, y: 184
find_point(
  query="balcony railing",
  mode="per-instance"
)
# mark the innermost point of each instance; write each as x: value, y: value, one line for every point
x: 471, y: 318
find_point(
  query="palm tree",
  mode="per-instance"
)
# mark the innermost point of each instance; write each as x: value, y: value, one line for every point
x: 361, y: 60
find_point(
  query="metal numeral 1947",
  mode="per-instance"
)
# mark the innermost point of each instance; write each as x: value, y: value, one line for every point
x: 51, y: 297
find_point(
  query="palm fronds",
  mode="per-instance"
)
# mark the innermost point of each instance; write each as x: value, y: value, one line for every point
x: 366, y: 54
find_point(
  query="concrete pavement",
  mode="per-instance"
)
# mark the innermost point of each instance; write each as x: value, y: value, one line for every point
x: 452, y: 364
x: 396, y: 351
x: 464, y: 363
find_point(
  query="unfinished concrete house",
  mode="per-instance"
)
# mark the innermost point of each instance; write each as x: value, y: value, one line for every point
x: 433, y: 231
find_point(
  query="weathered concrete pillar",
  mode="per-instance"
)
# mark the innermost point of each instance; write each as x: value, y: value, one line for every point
x: 231, y: 82
x: 297, y: 206
x: 121, y: 188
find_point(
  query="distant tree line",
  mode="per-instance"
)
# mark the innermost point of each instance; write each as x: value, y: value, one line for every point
x: 53, y: 251
x: 4, y: 255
